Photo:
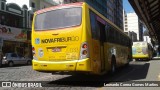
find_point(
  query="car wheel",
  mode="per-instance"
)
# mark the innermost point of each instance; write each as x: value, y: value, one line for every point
x: 28, y: 62
x: 0, y: 63
x: 10, y: 64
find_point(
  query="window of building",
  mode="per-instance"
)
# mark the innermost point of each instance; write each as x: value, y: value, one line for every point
x: 33, y: 5
x: 3, y: 20
x: 11, y: 20
x: 2, y: 5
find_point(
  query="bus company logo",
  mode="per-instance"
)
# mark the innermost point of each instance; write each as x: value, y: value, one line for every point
x: 37, y: 41
x: 62, y: 39
x: 40, y: 52
x: 6, y: 84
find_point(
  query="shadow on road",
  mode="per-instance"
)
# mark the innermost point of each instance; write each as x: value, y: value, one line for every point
x: 155, y: 58
x: 14, y: 67
x: 129, y: 73
x: 137, y: 72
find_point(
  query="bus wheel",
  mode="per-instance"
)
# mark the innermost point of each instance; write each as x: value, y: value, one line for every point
x: 113, y: 65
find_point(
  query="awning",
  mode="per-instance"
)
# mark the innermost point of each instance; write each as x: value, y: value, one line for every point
x: 149, y: 12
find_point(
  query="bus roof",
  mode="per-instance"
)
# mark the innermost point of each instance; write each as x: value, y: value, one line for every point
x: 76, y: 4
x: 111, y: 23
x: 58, y: 6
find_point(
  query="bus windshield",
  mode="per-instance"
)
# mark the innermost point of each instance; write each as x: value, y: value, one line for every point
x: 60, y: 18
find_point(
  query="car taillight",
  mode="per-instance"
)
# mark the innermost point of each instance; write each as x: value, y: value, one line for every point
x: 33, y: 50
x: 34, y: 53
x: 4, y: 57
x: 84, y: 46
x: 84, y: 53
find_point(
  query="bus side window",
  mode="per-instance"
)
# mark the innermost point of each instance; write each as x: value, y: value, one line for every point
x: 94, y: 26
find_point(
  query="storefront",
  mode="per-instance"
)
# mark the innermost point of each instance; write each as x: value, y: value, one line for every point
x: 14, y: 26
x: 15, y: 40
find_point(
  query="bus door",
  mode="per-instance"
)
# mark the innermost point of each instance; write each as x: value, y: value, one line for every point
x: 102, y: 39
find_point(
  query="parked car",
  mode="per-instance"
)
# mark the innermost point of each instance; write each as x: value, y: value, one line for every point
x: 12, y: 59
x: 1, y: 56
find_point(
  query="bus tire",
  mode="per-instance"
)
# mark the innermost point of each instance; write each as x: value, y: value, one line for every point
x: 113, y: 65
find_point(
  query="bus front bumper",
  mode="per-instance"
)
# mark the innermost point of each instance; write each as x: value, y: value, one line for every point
x: 140, y: 56
x: 53, y: 66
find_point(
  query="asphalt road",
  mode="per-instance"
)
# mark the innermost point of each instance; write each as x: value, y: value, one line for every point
x: 137, y: 71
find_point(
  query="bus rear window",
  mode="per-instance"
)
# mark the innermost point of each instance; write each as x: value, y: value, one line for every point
x: 60, y: 18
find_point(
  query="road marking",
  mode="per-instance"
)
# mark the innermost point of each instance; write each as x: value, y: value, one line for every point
x: 125, y: 75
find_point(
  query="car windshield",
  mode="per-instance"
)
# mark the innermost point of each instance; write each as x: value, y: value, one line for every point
x: 13, y: 55
x: 6, y: 54
x: 60, y: 18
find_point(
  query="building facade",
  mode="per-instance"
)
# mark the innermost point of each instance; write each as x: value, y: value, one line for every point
x: 131, y: 34
x: 15, y: 24
x: 35, y: 5
x: 141, y: 29
x: 32, y: 6
x: 132, y: 23
x: 13, y: 30
x: 40, y: 4
x: 125, y: 22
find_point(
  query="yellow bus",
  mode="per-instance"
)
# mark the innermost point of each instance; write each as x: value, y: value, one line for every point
x: 142, y: 50
x: 75, y: 38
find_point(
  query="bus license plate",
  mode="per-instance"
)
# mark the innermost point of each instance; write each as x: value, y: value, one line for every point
x: 56, y: 49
